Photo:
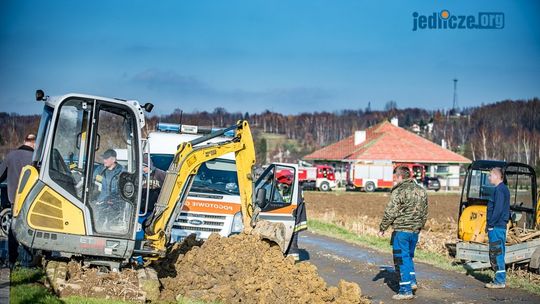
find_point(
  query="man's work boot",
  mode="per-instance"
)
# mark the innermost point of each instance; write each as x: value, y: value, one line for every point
x: 402, y: 296
x: 495, y: 286
x: 414, y: 287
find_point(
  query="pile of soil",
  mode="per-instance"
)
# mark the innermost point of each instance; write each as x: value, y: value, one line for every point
x: 245, y: 269
x: 90, y: 282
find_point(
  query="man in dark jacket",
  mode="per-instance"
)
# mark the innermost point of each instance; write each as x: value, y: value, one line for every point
x: 300, y: 224
x: 109, y: 204
x: 407, y: 214
x: 153, y: 179
x: 10, y: 170
x: 498, y: 214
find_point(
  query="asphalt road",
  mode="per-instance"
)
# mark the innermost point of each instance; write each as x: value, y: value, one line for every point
x: 372, y: 270
x: 4, y: 272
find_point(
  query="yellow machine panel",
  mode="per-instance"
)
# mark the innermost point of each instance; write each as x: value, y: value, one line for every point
x: 52, y: 212
x: 538, y: 212
x: 29, y: 176
x: 472, y: 224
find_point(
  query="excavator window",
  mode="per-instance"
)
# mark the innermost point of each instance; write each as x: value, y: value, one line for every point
x: 522, y: 200
x: 68, y: 154
x: 113, y: 199
x: 480, y: 187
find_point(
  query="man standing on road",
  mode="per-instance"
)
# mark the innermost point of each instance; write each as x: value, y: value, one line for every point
x: 10, y: 169
x: 498, y: 214
x: 407, y: 214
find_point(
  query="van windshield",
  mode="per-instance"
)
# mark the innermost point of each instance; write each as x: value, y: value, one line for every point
x: 215, y: 176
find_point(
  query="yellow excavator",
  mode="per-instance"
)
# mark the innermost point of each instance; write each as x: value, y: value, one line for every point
x: 523, y: 239
x: 73, y: 202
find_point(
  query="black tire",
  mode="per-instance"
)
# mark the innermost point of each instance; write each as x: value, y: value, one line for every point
x: 5, y: 221
x: 370, y: 187
x: 325, y: 186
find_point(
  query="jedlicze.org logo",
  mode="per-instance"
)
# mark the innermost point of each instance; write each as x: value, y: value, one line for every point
x: 445, y: 20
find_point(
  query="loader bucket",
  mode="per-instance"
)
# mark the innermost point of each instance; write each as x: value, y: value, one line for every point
x: 270, y: 231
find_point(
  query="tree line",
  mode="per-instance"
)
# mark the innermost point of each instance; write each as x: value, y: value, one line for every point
x: 507, y: 130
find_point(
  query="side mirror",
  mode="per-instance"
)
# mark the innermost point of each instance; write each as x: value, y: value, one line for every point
x: 148, y: 107
x: 260, y: 198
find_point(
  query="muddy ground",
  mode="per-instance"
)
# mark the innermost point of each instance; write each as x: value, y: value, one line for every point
x: 244, y: 269
x: 239, y: 269
x: 91, y: 282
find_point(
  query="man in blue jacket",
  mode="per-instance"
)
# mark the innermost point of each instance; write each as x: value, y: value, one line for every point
x: 109, y: 204
x: 498, y: 214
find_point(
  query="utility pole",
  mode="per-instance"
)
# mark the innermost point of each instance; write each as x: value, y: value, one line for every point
x: 455, y: 105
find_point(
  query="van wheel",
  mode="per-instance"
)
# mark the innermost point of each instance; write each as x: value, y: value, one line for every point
x: 370, y: 187
x: 324, y: 187
x: 5, y: 221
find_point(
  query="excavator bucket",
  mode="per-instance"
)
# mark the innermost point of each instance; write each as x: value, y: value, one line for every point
x: 271, y: 231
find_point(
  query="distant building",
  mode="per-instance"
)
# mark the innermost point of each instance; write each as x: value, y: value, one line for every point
x: 387, y: 141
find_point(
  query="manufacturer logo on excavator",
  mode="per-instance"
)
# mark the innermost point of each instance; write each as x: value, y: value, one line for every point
x: 210, y: 153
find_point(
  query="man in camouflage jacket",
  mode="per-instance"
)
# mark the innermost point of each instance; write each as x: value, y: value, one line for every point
x: 407, y: 214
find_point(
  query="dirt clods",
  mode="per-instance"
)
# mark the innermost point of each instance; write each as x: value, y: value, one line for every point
x: 90, y: 282
x: 245, y: 269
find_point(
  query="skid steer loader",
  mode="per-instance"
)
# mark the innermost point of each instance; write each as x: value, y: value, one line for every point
x: 60, y: 210
x: 523, y: 239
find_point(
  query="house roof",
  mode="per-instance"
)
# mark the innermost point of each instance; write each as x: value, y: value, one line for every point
x: 386, y: 141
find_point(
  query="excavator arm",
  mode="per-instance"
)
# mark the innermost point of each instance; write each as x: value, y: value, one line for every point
x: 183, y: 169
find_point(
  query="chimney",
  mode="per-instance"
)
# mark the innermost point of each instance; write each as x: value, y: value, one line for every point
x: 359, y: 137
x: 394, y: 121
x: 443, y: 143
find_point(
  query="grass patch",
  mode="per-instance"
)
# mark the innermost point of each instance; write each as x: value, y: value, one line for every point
x: 27, y: 287
x: 431, y: 258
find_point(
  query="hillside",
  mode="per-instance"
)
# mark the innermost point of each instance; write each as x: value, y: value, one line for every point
x: 503, y: 130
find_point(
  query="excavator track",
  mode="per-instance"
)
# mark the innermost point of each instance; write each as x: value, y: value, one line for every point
x: 56, y: 275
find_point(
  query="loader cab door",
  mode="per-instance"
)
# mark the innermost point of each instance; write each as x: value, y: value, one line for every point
x: 279, y: 185
x: 81, y: 163
x: 522, y: 184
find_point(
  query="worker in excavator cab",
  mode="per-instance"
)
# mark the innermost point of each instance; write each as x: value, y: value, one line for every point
x: 107, y: 203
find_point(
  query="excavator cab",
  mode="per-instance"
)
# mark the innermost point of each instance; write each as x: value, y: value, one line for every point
x: 76, y: 196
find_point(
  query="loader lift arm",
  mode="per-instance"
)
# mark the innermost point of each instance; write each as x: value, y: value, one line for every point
x: 183, y: 169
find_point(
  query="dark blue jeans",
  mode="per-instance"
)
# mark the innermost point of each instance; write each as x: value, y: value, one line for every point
x: 497, y: 241
x: 403, y: 247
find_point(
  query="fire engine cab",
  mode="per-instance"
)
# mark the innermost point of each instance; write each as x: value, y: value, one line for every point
x: 318, y: 177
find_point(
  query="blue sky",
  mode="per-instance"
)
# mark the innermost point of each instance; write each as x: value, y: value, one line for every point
x: 285, y: 56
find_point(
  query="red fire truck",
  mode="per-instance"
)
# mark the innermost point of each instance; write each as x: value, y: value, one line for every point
x: 370, y: 175
x: 318, y: 177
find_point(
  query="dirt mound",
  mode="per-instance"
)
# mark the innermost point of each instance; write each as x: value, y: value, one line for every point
x: 90, y: 282
x: 244, y: 269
